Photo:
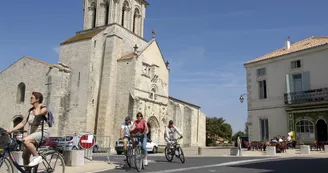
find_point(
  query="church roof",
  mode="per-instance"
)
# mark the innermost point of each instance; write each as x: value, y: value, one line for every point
x: 302, y: 45
x: 145, y: 2
x: 172, y: 98
x: 128, y: 56
x: 41, y: 62
x: 83, y: 36
x: 132, y: 54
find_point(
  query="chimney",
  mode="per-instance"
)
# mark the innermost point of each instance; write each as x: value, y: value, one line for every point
x: 287, y: 46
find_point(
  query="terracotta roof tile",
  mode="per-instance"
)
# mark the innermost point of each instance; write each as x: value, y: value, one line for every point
x: 128, y: 56
x: 305, y: 44
x: 82, y: 36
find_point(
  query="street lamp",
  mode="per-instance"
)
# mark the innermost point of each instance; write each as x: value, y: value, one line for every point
x: 241, y: 98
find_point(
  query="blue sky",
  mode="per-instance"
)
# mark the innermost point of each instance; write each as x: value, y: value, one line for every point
x: 206, y: 42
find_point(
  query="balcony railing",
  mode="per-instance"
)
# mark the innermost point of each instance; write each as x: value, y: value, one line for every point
x: 308, y: 96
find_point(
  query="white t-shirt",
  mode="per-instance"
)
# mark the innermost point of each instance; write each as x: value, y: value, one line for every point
x: 126, y: 128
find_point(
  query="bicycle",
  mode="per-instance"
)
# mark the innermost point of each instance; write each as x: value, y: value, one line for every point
x: 129, y: 153
x: 137, y: 151
x: 170, y: 152
x: 11, y: 163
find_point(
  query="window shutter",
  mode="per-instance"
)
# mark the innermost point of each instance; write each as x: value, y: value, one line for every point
x: 287, y: 84
x: 306, y: 80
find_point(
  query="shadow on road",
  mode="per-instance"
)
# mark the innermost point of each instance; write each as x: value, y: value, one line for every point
x: 299, y: 165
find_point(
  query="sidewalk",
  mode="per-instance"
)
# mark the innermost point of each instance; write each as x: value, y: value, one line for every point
x: 90, y: 167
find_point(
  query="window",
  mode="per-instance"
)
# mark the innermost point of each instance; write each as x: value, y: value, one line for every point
x: 107, y: 10
x: 261, y: 72
x: 153, y: 95
x: 262, y: 89
x: 304, y: 130
x: 295, y: 64
x: 297, y: 81
x: 21, y: 93
x: 264, y: 125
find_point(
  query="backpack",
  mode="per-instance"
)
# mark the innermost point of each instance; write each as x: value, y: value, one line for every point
x: 50, y: 120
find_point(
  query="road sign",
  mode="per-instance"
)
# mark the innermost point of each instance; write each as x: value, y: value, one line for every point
x: 87, y: 141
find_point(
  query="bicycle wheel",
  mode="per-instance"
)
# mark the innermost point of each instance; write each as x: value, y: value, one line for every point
x: 129, y: 157
x: 52, y: 162
x: 168, y: 154
x: 6, y: 166
x: 181, y: 155
x: 138, y: 159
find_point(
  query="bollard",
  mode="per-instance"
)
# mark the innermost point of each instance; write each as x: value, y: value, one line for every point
x: 199, y: 151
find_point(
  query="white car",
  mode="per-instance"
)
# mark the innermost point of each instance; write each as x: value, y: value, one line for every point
x: 151, y: 146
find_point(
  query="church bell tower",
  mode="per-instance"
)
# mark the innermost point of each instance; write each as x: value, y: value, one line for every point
x: 130, y: 14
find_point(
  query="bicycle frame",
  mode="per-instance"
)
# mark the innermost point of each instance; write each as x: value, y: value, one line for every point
x: 11, y: 157
x: 7, y: 151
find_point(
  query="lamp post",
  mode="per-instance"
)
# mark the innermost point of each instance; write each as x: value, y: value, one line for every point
x: 241, y: 98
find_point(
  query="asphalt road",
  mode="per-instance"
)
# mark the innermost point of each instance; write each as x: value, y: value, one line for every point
x: 158, y: 164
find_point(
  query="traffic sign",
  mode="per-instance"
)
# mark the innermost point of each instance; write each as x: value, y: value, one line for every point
x: 87, y: 141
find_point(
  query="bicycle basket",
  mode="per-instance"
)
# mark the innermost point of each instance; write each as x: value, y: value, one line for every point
x: 3, y: 141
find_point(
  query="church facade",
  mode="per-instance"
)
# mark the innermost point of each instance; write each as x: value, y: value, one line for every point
x: 105, y: 72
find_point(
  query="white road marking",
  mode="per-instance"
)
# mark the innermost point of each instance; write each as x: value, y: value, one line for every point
x: 215, y: 165
x: 99, y: 171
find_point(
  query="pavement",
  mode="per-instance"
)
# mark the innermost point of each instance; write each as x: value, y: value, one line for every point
x: 215, y: 160
x: 221, y: 164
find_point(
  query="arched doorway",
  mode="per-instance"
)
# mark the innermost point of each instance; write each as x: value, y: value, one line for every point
x: 322, y: 130
x: 153, y: 126
x: 17, y: 120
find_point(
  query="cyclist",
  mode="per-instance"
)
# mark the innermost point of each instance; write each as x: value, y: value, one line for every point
x: 169, y: 134
x: 140, y: 126
x: 125, y: 133
x: 33, y: 119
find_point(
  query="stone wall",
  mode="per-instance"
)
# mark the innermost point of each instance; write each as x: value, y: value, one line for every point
x: 190, y: 121
x: 76, y: 56
x: 125, y: 85
x: 37, y: 76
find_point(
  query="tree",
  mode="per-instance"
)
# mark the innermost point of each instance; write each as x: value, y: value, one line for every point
x: 238, y: 134
x: 216, y: 127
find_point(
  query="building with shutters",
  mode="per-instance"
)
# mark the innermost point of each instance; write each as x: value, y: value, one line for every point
x: 287, y: 90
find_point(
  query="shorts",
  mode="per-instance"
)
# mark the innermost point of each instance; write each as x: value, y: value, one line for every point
x: 37, y: 136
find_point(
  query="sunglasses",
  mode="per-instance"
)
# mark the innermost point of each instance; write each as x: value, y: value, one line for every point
x: 139, y: 115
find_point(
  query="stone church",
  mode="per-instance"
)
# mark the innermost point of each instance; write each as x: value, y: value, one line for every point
x: 105, y: 72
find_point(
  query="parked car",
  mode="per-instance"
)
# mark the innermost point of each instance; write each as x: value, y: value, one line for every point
x: 151, y: 146
x: 50, y: 143
x: 67, y: 143
x: 72, y: 142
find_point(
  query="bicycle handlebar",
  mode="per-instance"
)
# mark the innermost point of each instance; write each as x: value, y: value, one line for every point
x: 4, y: 132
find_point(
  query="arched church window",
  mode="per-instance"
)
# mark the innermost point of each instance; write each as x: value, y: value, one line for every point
x: 107, y: 10
x: 153, y: 95
x: 93, y: 8
x: 21, y: 93
x: 135, y: 15
x: 123, y: 14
